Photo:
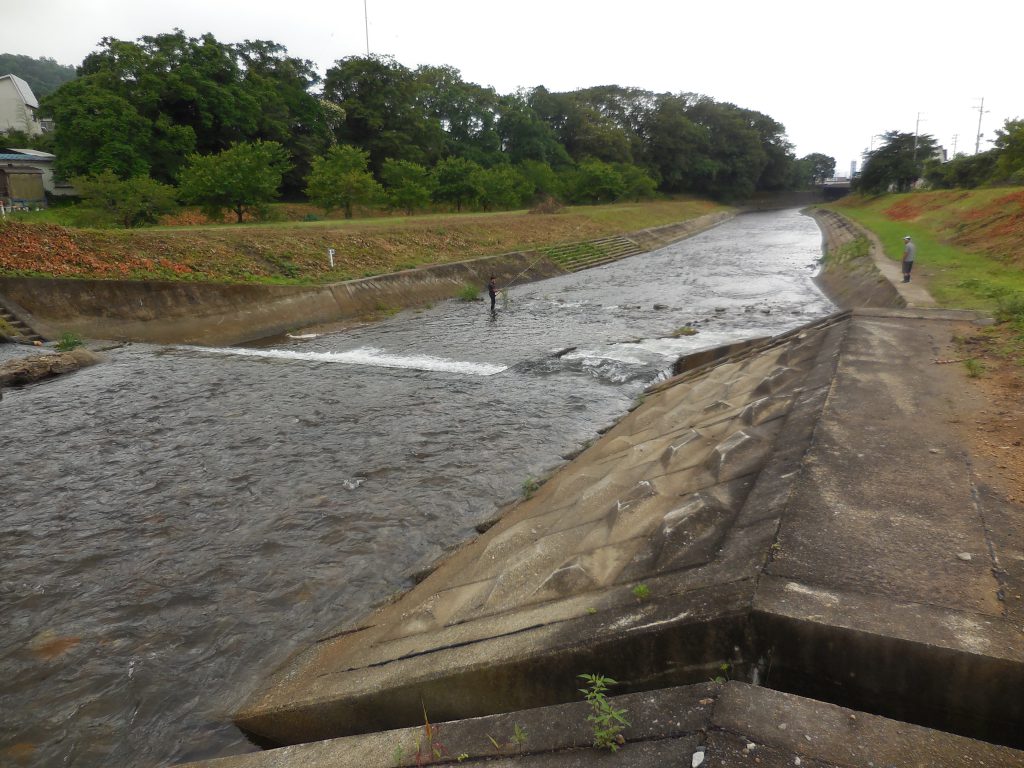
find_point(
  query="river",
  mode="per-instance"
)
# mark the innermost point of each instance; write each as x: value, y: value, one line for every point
x: 177, y: 520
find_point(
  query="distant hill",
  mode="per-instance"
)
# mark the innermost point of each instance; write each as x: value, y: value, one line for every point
x: 44, y: 75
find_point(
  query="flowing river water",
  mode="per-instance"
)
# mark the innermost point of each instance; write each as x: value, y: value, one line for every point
x: 177, y: 520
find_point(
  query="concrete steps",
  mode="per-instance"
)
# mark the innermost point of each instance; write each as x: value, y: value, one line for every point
x: 573, y: 257
x: 14, y: 328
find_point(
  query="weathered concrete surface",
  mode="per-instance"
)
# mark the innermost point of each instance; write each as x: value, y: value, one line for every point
x: 731, y: 724
x: 217, y: 313
x: 798, y: 510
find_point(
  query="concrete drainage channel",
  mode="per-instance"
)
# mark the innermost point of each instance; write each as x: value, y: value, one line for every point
x: 750, y: 521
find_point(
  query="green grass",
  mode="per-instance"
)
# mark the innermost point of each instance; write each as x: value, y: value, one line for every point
x: 956, y: 277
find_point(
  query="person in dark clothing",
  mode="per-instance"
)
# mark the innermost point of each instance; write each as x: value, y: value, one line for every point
x: 492, y: 291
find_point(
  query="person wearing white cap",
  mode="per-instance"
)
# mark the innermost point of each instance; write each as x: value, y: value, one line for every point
x: 909, y: 250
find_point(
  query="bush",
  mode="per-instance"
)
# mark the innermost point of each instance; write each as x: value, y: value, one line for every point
x: 69, y: 341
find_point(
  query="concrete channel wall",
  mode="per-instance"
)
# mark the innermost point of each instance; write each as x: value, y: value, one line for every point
x: 221, y: 314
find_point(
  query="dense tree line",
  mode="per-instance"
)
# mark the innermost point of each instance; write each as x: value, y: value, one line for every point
x: 43, y: 75
x: 904, y: 159
x: 156, y: 106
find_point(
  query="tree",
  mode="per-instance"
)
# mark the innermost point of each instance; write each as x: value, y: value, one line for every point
x: 818, y: 167
x: 897, y: 164
x: 384, y: 112
x: 409, y: 185
x: 44, y: 75
x: 457, y: 181
x: 502, y: 187
x: 133, y: 202
x: 96, y: 130
x: 597, y: 182
x: 963, y: 171
x: 637, y: 184
x: 466, y: 113
x: 675, y: 145
x: 1009, y: 145
x: 243, y: 178
x: 340, y: 180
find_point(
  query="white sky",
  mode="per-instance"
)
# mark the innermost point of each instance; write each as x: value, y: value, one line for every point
x: 835, y: 73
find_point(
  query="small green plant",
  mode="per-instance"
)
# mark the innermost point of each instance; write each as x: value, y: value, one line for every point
x: 607, y: 721
x: 516, y: 740
x: 428, y: 744
x: 468, y: 292
x: 723, y: 673
x: 975, y: 368
x: 641, y: 592
x: 530, y: 487
x: 686, y: 330
x: 591, y: 611
x: 69, y: 341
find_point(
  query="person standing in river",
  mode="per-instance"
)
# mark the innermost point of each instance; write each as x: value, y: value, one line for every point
x: 909, y: 251
x: 492, y: 291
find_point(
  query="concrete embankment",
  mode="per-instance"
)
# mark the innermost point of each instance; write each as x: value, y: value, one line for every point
x: 211, y: 313
x: 798, y: 514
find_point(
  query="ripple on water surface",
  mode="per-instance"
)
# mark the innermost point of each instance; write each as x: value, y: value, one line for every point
x: 177, y: 520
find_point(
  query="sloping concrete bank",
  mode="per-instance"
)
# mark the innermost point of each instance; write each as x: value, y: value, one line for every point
x: 213, y: 313
x: 795, y: 514
x: 851, y: 276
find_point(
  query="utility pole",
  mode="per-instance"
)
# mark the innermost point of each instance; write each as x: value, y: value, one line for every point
x: 955, y: 137
x: 366, y: 23
x: 917, y: 126
x: 981, y: 111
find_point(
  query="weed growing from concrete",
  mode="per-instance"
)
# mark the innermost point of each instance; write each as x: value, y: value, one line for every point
x: 607, y: 721
x: 516, y: 740
x: 530, y: 487
x: 686, y: 330
x: 723, y: 673
x: 69, y: 341
x: 641, y: 592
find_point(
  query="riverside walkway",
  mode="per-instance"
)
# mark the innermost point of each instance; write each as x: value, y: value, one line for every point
x: 783, y: 556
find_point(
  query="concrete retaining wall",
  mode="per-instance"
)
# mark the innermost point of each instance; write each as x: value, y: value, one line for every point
x: 216, y: 313
x: 221, y: 313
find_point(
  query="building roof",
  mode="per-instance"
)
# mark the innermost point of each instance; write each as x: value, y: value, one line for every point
x: 23, y: 88
x: 35, y: 154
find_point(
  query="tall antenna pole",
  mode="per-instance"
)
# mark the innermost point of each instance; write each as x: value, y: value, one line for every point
x: 981, y: 111
x: 366, y: 23
x: 955, y: 137
x: 917, y: 126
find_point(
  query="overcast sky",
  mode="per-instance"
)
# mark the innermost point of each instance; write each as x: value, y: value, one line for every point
x: 834, y: 73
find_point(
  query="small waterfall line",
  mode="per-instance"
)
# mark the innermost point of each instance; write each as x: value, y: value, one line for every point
x: 366, y: 356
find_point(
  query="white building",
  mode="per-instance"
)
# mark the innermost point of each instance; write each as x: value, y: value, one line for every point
x: 18, y: 107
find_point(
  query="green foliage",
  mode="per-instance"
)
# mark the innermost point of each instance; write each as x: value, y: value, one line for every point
x: 641, y: 592
x: 133, y: 202
x: 502, y: 187
x: 409, y: 185
x: 457, y: 181
x: 468, y: 292
x: 530, y: 487
x: 1010, y: 307
x: 1009, y: 146
x: 68, y: 341
x: 242, y: 179
x: 44, y: 75
x: 814, y: 169
x: 897, y: 164
x: 607, y: 721
x: 723, y: 672
x: 975, y: 368
x: 341, y: 180
x: 964, y: 171
x: 595, y: 181
x: 686, y: 330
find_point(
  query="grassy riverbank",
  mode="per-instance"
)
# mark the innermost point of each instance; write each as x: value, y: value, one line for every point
x: 970, y: 255
x: 296, y: 251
